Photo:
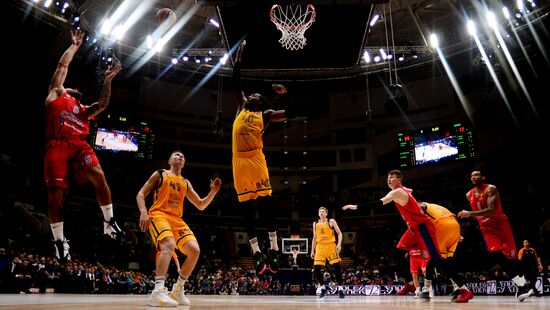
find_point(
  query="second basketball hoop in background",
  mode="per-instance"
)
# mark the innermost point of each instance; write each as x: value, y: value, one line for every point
x: 166, y: 17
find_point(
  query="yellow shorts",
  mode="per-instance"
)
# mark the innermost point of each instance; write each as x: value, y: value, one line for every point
x: 447, y: 232
x: 324, y: 252
x: 250, y: 176
x: 164, y: 226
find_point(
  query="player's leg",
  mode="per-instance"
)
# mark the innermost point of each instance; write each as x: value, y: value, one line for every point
x: 267, y: 217
x: 188, y: 245
x: 88, y: 164
x: 163, y: 238
x: 56, y: 172
x: 338, y: 274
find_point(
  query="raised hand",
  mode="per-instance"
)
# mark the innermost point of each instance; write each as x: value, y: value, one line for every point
x: 215, y: 184
x: 279, y: 89
x: 349, y: 207
x: 240, y: 51
x: 77, y: 37
x: 110, y: 73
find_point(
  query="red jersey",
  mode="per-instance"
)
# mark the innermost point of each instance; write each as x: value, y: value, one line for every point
x: 411, y: 212
x: 66, y: 118
x: 480, y: 203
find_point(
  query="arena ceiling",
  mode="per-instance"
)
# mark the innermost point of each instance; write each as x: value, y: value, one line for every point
x: 336, y: 41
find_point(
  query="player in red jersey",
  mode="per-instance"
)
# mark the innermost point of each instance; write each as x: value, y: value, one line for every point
x: 419, y: 223
x: 486, y: 207
x: 67, y: 125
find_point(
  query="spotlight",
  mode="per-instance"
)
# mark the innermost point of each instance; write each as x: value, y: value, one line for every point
x: 374, y: 20
x: 414, y: 54
x: 76, y: 21
x: 401, y: 58
x: 376, y: 58
x: 174, y: 61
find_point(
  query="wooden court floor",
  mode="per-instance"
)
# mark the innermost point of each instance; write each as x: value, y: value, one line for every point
x: 66, y: 301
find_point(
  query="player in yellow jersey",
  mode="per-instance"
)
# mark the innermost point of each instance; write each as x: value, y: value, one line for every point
x: 448, y: 236
x: 167, y: 228
x: 250, y: 173
x: 325, y: 246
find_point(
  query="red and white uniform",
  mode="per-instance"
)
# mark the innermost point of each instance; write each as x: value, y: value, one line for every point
x: 421, y: 227
x: 417, y: 261
x: 67, y: 125
x: 495, y: 226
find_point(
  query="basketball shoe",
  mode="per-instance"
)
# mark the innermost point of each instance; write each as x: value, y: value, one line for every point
x: 323, y: 291
x: 341, y: 294
x: 62, y: 250
x: 160, y: 298
x: 464, y: 296
x: 524, y: 296
x: 111, y: 229
x: 178, y: 294
x: 408, y: 288
x: 273, y: 261
x: 260, y: 259
x: 425, y: 295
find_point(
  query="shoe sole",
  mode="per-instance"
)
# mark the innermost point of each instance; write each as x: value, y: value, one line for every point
x: 262, y: 270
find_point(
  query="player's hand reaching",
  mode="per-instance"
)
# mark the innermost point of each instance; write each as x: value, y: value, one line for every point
x: 349, y: 207
x: 279, y: 89
x: 110, y: 73
x: 240, y: 51
x: 464, y: 214
x: 312, y: 255
x: 77, y: 37
x: 215, y: 184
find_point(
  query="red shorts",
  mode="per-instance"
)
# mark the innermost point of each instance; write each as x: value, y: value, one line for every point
x: 418, y: 262
x: 422, y: 236
x: 498, y: 237
x: 62, y: 153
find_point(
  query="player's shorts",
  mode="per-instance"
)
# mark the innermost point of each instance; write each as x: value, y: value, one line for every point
x: 448, y: 236
x: 416, y: 263
x: 164, y: 226
x: 498, y: 237
x: 324, y: 252
x: 250, y: 175
x: 407, y: 241
x: 426, y: 237
x: 62, y: 153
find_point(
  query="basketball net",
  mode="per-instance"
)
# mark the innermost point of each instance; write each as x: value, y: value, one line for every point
x: 292, y: 21
x: 295, y: 253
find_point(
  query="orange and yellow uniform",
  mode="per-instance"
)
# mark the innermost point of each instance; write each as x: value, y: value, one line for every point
x: 250, y: 175
x: 167, y: 209
x: 325, y: 244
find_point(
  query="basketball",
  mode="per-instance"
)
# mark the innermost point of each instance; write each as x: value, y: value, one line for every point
x: 166, y: 16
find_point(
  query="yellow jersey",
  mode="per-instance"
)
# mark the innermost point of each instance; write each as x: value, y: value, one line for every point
x: 324, y: 234
x: 248, y: 128
x: 168, y: 198
x: 437, y: 212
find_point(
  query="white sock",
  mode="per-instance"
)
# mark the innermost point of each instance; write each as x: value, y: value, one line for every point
x: 107, y: 212
x: 455, y: 287
x: 159, y: 283
x: 254, y: 244
x: 427, y: 285
x: 181, y: 281
x: 273, y: 240
x: 57, y: 231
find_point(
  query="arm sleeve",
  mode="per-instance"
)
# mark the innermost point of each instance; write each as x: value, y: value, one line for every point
x: 237, y: 82
x: 371, y: 204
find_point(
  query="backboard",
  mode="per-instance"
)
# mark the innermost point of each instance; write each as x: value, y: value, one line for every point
x: 288, y: 244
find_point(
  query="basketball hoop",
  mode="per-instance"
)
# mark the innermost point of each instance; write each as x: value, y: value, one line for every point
x: 292, y: 21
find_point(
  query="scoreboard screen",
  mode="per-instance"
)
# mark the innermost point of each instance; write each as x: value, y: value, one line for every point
x: 435, y: 145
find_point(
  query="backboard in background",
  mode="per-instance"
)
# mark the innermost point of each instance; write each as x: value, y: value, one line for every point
x: 302, y: 244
